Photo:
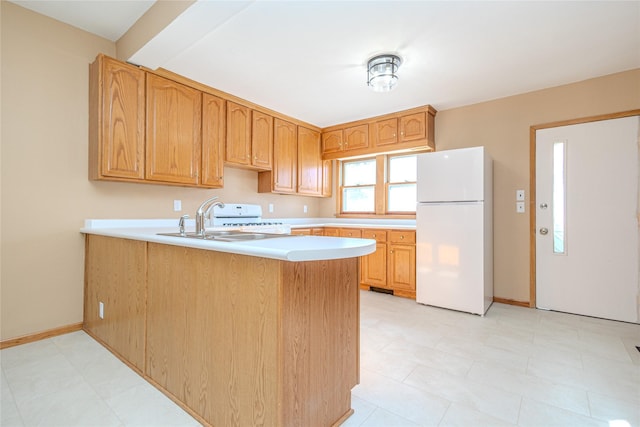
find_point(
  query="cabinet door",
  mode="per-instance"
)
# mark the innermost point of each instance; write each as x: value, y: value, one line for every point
x: 238, y: 147
x: 413, y: 127
x: 332, y: 142
x: 117, y: 132
x: 327, y: 178
x: 402, y: 268
x: 386, y: 132
x: 261, y: 140
x: 284, y: 157
x: 173, y: 131
x: 374, y: 267
x: 356, y: 137
x: 310, y: 165
x: 213, y: 132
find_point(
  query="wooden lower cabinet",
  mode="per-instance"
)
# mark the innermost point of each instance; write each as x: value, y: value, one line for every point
x: 312, y: 231
x: 235, y: 340
x: 393, y: 265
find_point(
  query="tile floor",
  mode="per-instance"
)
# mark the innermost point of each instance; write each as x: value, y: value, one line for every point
x: 420, y: 366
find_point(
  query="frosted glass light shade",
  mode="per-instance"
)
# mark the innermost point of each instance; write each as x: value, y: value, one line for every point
x: 382, y: 72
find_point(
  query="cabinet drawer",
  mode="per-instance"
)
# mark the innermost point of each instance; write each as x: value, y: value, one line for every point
x: 408, y: 237
x: 350, y: 232
x: 377, y: 235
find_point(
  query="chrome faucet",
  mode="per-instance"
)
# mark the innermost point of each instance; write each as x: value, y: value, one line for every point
x: 201, y: 213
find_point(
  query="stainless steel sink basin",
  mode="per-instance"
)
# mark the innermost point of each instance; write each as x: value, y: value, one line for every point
x: 226, y: 236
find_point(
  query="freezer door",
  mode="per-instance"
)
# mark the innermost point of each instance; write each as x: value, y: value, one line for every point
x: 450, y: 256
x: 451, y: 175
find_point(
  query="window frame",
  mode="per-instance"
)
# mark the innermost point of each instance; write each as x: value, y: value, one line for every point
x: 381, y: 191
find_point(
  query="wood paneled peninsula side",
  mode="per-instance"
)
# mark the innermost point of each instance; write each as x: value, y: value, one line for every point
x: 250, y: 333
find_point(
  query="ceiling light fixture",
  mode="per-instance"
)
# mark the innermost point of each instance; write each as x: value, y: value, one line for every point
x: 382, y: 72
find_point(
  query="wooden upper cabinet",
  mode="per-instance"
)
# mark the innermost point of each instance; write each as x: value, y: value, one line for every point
x: 174, y: 116
x: 213, y: 138
x: 356, y: 137
x: 327, y: 178
x: 351, y: 138
x: 249, y: 137
x: 403, y: 131
x: 116, y: 120
x: 285, y: 157
x: 386, y: 132
x: 413, y: 127
x: 238, y: 146
x: 332, y: 142
x: 261, y: 140
x: 310, y: 167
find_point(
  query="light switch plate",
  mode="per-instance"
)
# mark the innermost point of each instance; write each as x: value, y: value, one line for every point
x: 520, y: 195
x: 520, y: 207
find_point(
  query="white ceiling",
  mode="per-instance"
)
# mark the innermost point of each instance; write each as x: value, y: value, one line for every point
x: 307, y: 59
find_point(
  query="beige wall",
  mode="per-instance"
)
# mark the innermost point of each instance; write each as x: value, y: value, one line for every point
x: 503, y: 127
x: 46, y: 195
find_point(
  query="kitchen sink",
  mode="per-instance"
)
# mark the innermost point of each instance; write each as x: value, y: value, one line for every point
x: 227, y: 236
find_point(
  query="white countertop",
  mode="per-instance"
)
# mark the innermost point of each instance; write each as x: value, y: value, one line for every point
x: 287, y: 248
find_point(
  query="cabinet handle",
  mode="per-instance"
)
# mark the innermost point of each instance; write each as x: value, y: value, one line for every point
x: 391, y: 251
x: 401, y: 237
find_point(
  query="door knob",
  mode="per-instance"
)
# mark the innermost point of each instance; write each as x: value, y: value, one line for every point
x: 544, y: 231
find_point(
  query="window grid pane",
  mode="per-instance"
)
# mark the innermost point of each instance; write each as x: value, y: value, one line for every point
x: 402, y: 198
x: 402, y: 169
x: 360, y: 172
x: 358, y: 199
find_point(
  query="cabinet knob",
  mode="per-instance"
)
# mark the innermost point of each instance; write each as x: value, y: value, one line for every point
x: 401, y: 237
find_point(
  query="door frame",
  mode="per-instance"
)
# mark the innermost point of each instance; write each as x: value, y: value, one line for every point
x: 532, y: 184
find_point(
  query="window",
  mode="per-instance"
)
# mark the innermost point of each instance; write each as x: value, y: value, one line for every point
x: 358, y: 186
x: 382, y: 185
x: 401, y: 191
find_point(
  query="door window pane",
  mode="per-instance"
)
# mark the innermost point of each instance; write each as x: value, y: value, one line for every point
x: 559, y: 200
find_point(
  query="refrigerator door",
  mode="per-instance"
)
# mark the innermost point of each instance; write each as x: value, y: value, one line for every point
x: 450, y: 256
x: 452, y: 175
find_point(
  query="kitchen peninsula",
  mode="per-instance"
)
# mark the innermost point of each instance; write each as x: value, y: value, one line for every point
x: 261, y: 332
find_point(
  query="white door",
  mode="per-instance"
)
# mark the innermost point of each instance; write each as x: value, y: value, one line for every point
x: 586, y: 219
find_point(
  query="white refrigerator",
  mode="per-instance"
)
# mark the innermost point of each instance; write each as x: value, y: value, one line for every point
x: 454, y: 230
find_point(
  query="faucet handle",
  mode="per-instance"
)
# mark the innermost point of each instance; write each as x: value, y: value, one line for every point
x: 181, y: 224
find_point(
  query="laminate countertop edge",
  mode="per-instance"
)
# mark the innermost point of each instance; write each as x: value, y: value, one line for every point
x: 286, y: 248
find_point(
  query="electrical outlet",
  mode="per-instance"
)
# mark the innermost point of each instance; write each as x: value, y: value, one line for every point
x: 270, y: 207
x: 101, y: 310
x: 520, y: 195
x: 305, y: 209
x: 177, y: 205
x: 520, y: 207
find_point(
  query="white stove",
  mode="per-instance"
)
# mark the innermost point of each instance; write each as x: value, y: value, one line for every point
x: 244, y: 217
